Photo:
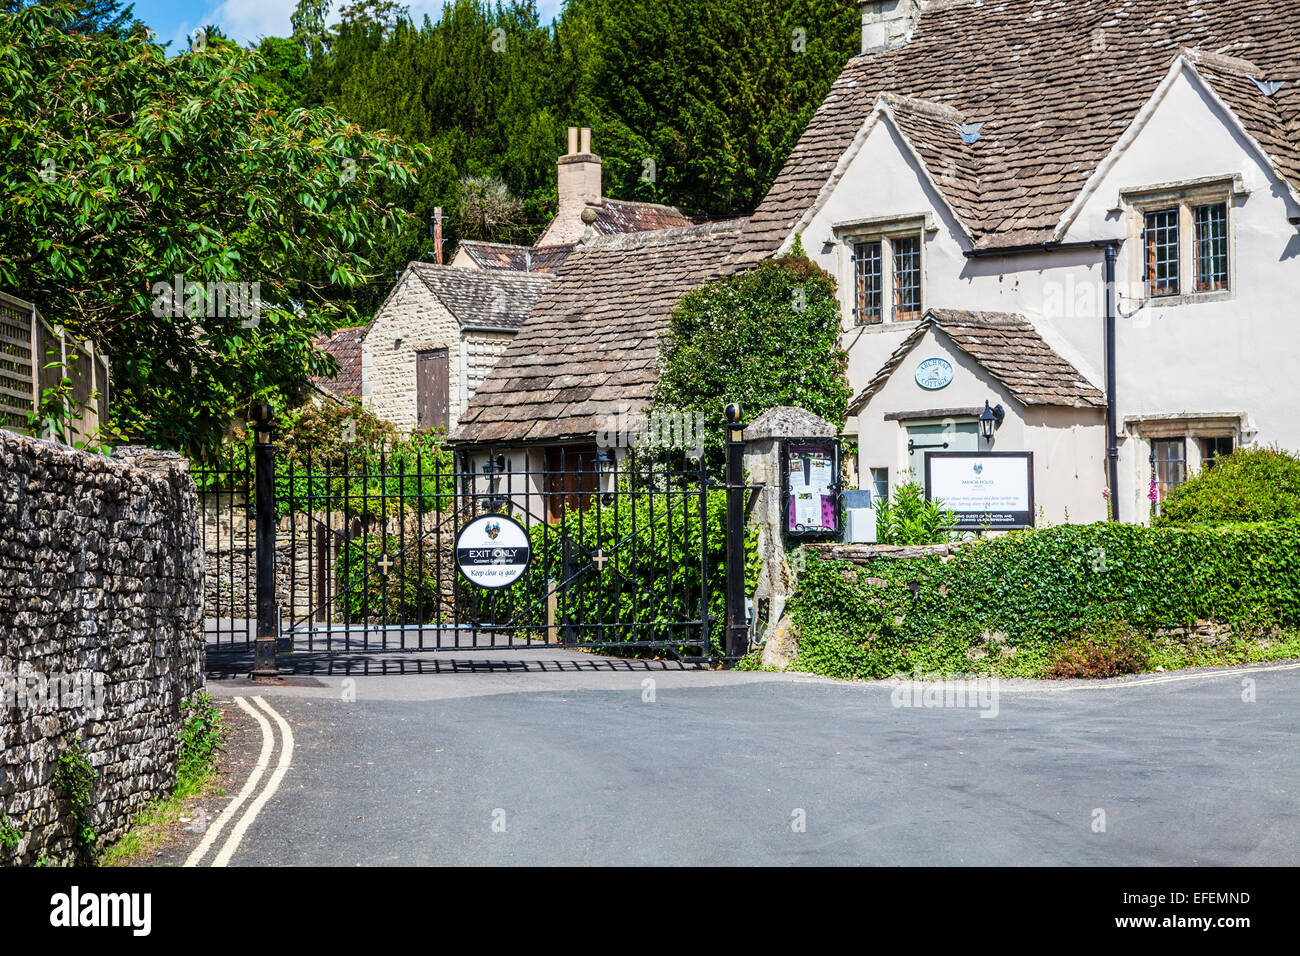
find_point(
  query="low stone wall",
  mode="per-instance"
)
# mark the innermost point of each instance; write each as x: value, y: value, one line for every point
x: 862, y: 553
x: 101, y: 585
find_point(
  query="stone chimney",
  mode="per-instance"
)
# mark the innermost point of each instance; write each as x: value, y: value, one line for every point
x: 888, y: 23
x: 579, y: 182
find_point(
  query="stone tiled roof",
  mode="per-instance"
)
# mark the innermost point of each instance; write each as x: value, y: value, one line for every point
x: 615, y: 216
x: 1055, y: 85
x: 1006, y: 346
x: 1273, y: 121
x: 590, y: 350
x: 489, y: 298
x: 498, y: 255
x: 345, y: 346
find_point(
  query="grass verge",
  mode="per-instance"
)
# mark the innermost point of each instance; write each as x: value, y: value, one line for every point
x: 202, y: 736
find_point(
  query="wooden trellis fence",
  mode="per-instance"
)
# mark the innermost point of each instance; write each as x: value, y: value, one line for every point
x: 34, y: 356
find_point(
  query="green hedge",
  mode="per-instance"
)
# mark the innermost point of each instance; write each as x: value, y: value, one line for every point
x: 649, y: 578
x: 1251, y: 484
x: 406, y: 594
x: 1009, y: 605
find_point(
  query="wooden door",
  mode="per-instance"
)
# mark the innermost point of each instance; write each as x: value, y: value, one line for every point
x: 571, y: 479
x: 432, y: 394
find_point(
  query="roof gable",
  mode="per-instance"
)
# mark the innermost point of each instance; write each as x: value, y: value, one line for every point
x: 1211, y: 77
x: 923, y: 131
x: 345, y: 346
x: 482, y: 298
x: 1005, y: 345
x: 1055, y: 85
x: 511, y: 258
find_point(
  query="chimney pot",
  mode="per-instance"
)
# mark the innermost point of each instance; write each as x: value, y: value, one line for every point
x: 578, y: 186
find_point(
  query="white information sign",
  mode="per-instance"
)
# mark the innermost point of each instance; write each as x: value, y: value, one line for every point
x: 985, y: 489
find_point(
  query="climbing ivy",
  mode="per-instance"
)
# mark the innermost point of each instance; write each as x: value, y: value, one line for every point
x: 76, y: 777
x: 767, y: 337
x: 1012, y: 604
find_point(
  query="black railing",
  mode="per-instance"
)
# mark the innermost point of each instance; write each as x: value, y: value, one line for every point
x: 230, y: 550
x: 624, y: 549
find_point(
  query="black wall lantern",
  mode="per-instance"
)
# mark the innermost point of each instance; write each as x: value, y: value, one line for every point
x: 604, y: 461
x: 990, y: 419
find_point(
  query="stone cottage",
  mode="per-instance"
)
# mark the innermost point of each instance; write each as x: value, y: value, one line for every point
x: 431, y: 342
x: 442, y: 328
x: 588, y: 356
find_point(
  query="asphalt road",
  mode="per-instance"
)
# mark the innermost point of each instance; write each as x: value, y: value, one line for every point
x: 570, y: 762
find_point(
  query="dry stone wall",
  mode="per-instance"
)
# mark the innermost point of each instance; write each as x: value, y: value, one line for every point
x: 101, y: 589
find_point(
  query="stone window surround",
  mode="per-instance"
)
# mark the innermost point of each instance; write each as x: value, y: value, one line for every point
x: 1190, y: 428
x: 922, y: 226
x: 1135, y: 203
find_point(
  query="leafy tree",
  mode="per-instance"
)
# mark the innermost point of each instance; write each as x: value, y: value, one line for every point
x: 487, y: 210
x: 384, y: 14
x: 108, y: 17
x: 282, y: 73
x: 699, y: 103
x: 763, y: 338
x: 308, y: 23
x: 123, y: 168
x: 714, y: 93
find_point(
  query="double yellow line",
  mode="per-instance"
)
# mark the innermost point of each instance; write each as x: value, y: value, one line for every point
x: 250, y: 787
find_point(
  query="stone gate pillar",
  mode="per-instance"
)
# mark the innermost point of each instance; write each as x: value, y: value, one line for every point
x: 776, y: 577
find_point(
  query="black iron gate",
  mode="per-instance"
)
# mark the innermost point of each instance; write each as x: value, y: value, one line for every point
x: 627, y: 549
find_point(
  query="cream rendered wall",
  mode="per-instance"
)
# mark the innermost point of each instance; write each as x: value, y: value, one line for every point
x: 885, y: 179
x: 463, y: 260
x: 1068, y: 444
x: 388, y: 365
x: 1237, y: 354
x: 1199, y: 357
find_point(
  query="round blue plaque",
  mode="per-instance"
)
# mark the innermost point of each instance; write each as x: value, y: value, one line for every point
x: 934, y: 373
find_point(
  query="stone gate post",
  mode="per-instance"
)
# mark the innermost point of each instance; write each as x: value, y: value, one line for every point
x: 776, y: 578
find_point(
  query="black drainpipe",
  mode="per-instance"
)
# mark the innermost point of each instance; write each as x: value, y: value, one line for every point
x: 1112, y: 426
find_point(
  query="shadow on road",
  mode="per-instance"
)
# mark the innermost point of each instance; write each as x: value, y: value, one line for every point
x: 228, y: 666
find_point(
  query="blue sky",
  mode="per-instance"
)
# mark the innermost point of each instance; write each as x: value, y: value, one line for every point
x: 247, y: 20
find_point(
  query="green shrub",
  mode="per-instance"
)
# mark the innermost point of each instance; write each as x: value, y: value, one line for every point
x: 202, y: 736
x: 908, y: 517
x: 1006, y: 605
x: 343, y: 459
x: 406, y: 594
x: 652, y: 577
x: 1251, y: 484
x: 10, y: 837
x: 76, y: 777
x: 769, y: 336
